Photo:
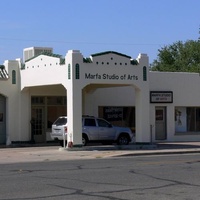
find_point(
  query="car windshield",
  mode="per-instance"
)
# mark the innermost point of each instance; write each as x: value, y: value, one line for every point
x: 60, y: 121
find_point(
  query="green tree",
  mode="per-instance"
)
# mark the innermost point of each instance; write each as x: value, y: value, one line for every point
x: 178, y: 57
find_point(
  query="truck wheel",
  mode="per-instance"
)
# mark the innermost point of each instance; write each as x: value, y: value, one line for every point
x: 84, y: 140
x: 123, y: 140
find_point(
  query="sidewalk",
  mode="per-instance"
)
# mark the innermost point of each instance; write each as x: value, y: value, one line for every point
x: 47, y: 153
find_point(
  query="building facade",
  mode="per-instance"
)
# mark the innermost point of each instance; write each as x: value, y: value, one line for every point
x: 157, y: 106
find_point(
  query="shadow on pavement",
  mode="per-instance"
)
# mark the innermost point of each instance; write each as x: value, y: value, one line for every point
x: 133, y: 146
x: 178, y: 145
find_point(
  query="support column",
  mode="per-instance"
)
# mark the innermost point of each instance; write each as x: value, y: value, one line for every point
x: 142, y: 117
x: 74, y: 117
x: 74, y: 99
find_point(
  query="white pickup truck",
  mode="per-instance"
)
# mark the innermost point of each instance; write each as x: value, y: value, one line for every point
x: 93, y: 130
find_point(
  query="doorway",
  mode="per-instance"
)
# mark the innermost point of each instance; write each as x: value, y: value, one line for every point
x: 160, y: 128
x: 2, y: 119
x: 37, y: 124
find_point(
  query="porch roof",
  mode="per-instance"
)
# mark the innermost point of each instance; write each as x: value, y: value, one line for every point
x: 3, y: 73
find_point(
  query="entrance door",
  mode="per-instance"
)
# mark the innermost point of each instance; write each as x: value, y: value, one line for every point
x: 160, y: 128
x: 2, y: 119
x: 37, y: 122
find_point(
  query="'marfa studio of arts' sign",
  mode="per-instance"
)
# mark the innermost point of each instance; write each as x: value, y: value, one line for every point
x: 111, y: 76
x: 161, y: 97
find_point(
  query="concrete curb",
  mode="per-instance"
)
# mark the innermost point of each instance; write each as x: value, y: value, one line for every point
x: 184, y: 151
x: 113, y: 147
x: 132, y: 150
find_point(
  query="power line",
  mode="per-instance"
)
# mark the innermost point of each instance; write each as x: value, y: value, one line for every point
x: 80, y: 42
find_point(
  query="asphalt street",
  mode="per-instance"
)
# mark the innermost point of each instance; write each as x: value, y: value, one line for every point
x: 158, y: 177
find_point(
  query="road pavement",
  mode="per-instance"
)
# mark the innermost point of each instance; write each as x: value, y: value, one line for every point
x: 45, y: 153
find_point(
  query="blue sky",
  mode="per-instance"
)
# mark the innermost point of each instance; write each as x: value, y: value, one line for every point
x: 91, y: 26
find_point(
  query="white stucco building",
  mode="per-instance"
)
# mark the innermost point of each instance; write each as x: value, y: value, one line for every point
x: 157, y: 106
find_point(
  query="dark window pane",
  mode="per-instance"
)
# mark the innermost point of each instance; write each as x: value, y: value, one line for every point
x: 191, y: 119
x: 103, y: 123
x: 90, y: 122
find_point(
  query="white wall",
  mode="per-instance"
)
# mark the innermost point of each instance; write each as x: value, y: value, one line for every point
x: 108, y: 69
x: 44, y: 75
x: 186, y: 93
x: 43, y: 70
x: 12, y: 93
x: 116, y: 96
x: 185, y: 86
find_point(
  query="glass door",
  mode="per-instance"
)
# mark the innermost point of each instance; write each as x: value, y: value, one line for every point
x: 160, y: 115
x: 37, y: 124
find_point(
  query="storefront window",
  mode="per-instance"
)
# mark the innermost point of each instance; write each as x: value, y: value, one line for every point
x: 54, y: 107
x: 53, y: 112
x: 56, y: 100
x: 37, y: 100
x: 187, y: 119
x: 193, y: 119
x: 119, y: 116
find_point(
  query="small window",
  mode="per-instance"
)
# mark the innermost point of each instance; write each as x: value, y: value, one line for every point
x: 69, y: 71
x: 144, y: 73
x: 13, y: 77
x: 77, y: 71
